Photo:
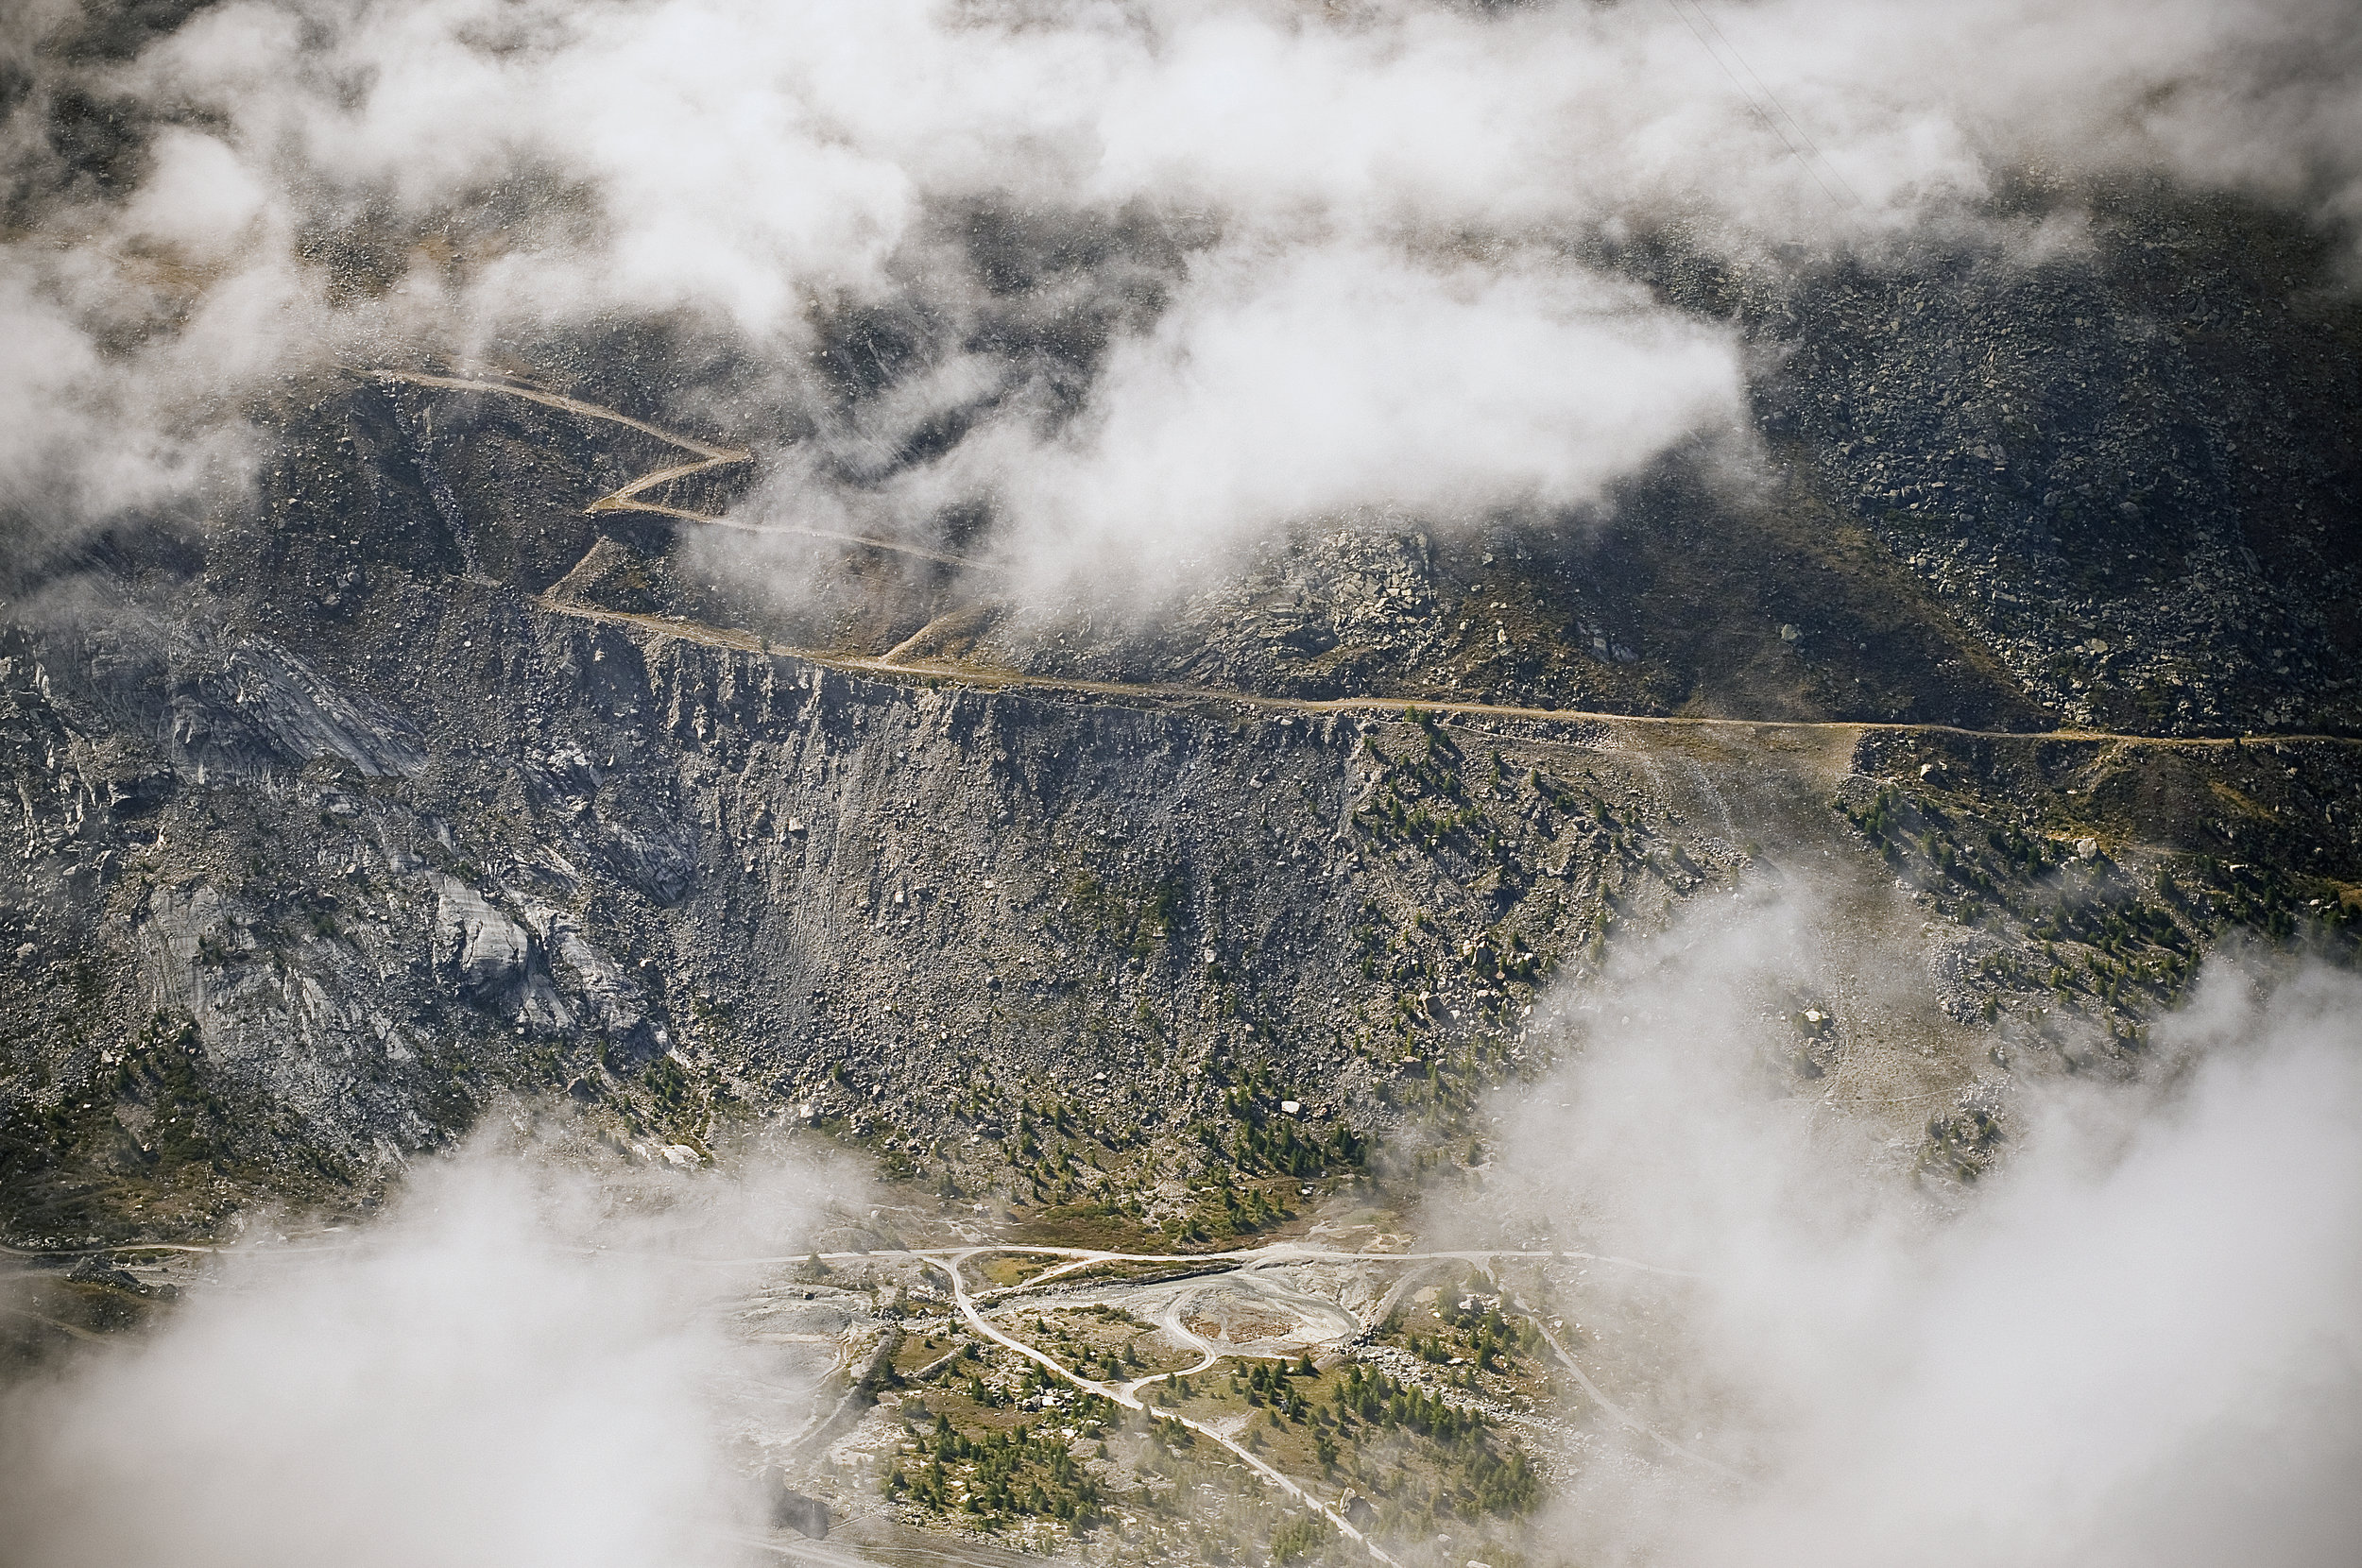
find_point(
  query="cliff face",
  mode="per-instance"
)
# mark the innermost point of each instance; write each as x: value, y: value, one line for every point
x: 412, y: 785
x: 625, y: 847
x: 273, y: 932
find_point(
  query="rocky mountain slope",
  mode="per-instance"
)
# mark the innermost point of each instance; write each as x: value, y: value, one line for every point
x: 412, y: 786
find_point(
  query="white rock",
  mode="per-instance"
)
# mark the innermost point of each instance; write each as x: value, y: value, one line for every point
x: 484, y: 946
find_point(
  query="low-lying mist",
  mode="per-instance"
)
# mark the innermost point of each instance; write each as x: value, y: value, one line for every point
x: 520, y: 1363
x: 2135, y: 1343
x: 2132, y: 1343
x: 1139, y: 281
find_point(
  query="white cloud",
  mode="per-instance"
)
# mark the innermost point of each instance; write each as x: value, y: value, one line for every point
x: 512, y: 1368
x: 2134, y: 1345
x: 200, y: 198
x: 1344, y: 379
x: 751, y: 166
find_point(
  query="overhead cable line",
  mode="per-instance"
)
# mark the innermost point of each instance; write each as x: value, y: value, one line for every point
x: 1809, y: 155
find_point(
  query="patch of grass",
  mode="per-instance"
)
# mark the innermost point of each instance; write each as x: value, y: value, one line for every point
x: 1004, y: 1269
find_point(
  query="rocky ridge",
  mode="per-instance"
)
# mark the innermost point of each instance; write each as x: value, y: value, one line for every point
x: 416, y: 784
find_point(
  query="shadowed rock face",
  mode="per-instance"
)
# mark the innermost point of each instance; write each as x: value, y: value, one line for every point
x: 2127, y: 471
x: 400, y: 792
x: 791, y: 1509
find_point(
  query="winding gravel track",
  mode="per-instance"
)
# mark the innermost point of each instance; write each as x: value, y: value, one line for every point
x: 708, y: 456
x: 1248, y: 1274
x: 1122, y: 1394
x: 627, y: 499
x: 987, y: 678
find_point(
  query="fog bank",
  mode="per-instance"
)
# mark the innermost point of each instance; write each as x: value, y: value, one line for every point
x: 1139, y: 279
x: 2134, y: 1344
x: 514, y: 1365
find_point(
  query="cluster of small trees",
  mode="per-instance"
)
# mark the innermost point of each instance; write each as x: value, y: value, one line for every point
x: 1278, y: 1147
x: 1018, y: 1472
x: 1489, y: 1335
x: 1371, y: 1397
